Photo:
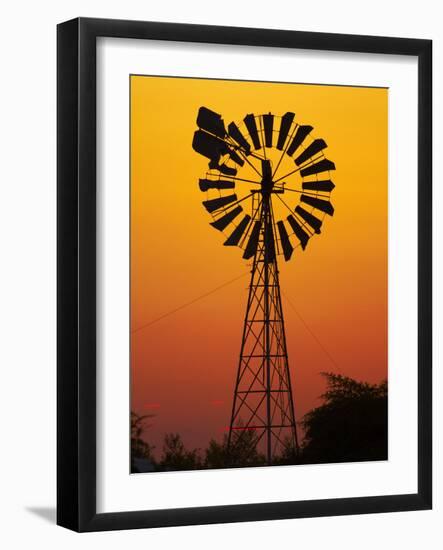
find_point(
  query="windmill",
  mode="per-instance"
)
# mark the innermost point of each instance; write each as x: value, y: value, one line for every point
x: 248, y: 201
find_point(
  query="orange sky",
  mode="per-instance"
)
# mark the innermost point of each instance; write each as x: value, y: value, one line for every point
x: 183, y: 366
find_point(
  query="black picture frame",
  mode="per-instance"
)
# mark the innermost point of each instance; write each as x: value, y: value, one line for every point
x: 76, y: 266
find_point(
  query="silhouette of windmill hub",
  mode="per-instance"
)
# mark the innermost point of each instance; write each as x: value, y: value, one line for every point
x: 263, y: 416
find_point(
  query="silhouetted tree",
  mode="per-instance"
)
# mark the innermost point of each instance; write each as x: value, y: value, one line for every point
x: 289, y: 454
x: 139, y: 447
x: 176, y: 457
x: 243, y: 450
x: 351, y: 424
x: 216, y: 454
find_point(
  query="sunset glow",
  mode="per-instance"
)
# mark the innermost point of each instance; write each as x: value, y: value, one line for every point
x: 188, y: 292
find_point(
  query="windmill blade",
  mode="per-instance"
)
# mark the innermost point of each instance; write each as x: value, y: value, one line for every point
x: 251, y: 125
x: 224, y: 221
x: 268, y: 124
x: 319, y: 204
x: 235, y: 157
x: 213, y: 148
x: 300, y: 135
x: 207, y: 145
x: 316, y: 146
x: 311, y: 220
x: 235, y: 133
x: 299, y: 232
x: 236, y: 235
x: 322, y: 166
x: 251, y: 247
x: 285, y: 126
x: 211, y: 122
x: 323, y: 185
x: 269, y: 244
x: 224, y: 168
x: 215, y: 204
x: 206, y: 184
x: 285, y: 242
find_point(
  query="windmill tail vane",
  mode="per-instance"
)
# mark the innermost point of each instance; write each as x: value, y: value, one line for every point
x: 246, y: 197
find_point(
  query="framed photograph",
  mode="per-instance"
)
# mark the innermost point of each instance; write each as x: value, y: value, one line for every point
x: 244, y: 274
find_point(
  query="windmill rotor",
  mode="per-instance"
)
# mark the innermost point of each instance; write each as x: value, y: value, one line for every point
x: 264, y: 143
